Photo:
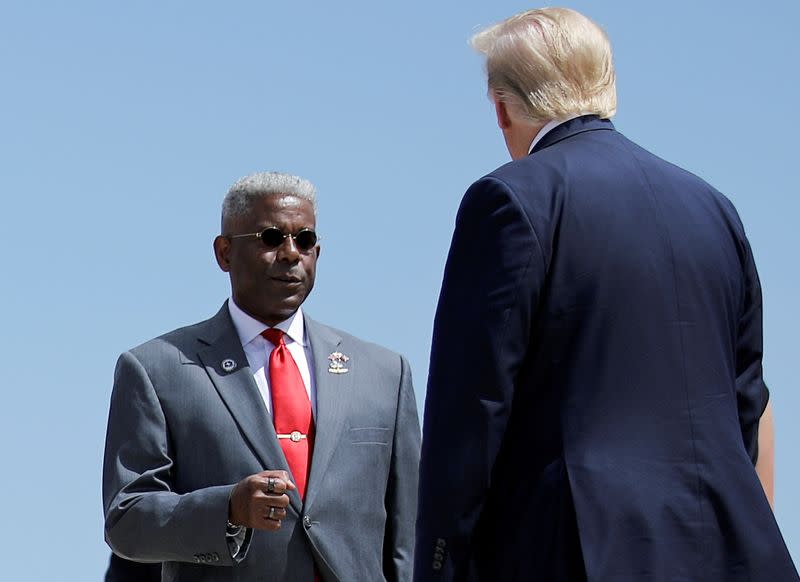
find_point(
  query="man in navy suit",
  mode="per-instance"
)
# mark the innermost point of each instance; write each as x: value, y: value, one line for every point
x: 595, y: 384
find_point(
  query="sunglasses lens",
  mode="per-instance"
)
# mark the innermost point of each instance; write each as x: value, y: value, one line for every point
x: 272, y: 237
x: 305, y: 240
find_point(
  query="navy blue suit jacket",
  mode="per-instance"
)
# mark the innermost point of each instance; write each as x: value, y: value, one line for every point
x: 595, y: 383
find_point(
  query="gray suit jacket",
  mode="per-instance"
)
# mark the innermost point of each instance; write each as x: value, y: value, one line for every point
x: 183, y: 430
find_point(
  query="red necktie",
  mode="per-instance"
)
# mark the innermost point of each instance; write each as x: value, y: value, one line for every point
x: 291, y: 410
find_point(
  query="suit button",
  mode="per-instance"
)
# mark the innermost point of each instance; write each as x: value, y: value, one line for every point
x: 197, y: 559
x: 215, y: 556
x: 306, y: 521
x: 437, y: 565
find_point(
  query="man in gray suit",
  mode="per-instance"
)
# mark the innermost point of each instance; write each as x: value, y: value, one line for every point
x: 260, y: 444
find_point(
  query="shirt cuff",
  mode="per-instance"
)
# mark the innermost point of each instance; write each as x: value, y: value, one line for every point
x: 236, y: 536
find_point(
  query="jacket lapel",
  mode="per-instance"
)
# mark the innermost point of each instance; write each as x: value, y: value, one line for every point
x: 333, y: 392
x: 238, y: 390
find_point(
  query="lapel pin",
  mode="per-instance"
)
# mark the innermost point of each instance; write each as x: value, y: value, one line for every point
x: 228, y: 365
x: 337, y: 362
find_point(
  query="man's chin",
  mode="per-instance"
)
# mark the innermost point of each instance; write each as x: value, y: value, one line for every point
x: 283, y: 310
x: 271, y: 313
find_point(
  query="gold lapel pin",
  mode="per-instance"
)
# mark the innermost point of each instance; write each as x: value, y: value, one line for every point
x: 337, y: 362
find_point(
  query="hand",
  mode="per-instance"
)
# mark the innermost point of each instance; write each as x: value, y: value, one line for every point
x: 259, y: 501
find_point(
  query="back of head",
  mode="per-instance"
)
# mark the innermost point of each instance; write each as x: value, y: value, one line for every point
x: 550, y: 63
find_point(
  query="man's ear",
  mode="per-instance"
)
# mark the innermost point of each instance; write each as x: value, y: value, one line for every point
x: 501, y: 109
x: 222, y: 249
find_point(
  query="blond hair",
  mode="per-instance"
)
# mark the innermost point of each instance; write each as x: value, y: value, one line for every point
x: 550, y: 63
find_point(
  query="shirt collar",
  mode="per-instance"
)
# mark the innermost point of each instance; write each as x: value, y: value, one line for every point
x: 550, y: 126
x: 248, y: 328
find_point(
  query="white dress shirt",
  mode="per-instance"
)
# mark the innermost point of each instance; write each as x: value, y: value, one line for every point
x: 257, y: 349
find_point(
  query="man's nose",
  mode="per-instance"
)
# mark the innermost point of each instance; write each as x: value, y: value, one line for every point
x: 287, y: 250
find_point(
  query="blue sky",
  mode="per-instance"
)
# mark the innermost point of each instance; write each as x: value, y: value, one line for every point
x: 123, y: 124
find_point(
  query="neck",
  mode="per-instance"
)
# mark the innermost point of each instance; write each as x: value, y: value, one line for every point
x: 519, y: 136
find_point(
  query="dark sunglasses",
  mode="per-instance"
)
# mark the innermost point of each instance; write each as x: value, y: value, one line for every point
x: 272, y: 237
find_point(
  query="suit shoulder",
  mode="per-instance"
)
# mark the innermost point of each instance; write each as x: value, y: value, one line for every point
x: 539, y: 172
x: 498, y: 188
x: 172, y: 342
x: 664, y: 171
x: 506, y: 175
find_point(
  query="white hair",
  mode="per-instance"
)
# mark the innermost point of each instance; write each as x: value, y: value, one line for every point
x: 550, y: 63
x: 239, y: 199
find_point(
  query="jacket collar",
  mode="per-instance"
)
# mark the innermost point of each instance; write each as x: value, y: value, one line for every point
x: 572, y: 127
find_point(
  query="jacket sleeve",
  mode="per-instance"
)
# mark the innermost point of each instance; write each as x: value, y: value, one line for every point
x: 145, y: 519
x: 492, y: 280
x: 401, y: 490
x: 751, y: 392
